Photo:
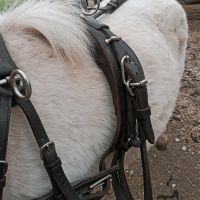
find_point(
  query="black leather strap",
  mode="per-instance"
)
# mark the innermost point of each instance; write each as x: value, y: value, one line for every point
x: 51, y: 161
x: 6, y: 66
x: 5, y: 109
x: 137, y: 105
x: 140, y: 100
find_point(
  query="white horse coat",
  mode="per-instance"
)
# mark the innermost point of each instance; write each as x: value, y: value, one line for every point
x: 48, y: 41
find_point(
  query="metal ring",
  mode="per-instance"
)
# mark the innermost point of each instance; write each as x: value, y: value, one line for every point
x: 85, y: 11
x: 21, y: 76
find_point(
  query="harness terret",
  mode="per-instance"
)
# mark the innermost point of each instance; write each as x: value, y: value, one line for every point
x: 128, y: 86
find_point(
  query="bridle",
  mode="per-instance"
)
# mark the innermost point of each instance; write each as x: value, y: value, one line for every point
x: 128, y: 86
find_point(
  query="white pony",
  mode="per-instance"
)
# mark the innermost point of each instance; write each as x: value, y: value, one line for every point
x: 48, y: 41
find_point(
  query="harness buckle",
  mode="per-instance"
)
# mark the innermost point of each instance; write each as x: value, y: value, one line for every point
x: 47, y: 145
x: 89, y: 11
x: 128, y: 83
x: 100, y: 182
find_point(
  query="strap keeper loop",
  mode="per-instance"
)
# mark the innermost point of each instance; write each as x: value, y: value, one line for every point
x: 55, y: 165
x: 143, y: 113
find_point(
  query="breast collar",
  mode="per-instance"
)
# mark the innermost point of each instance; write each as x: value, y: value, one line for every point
x: 128, y: 86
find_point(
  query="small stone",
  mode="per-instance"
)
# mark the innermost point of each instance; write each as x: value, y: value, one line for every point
x: 184, y: 148
x: 177, y: 140
x: 173, y: 185
x: 195, y: 137
x: 131, y: 172
x: 162, y: 142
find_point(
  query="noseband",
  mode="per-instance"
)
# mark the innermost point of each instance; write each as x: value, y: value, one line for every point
x: 128, y: 86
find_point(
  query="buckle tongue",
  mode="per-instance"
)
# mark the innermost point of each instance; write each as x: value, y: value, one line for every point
x: 130, y: 85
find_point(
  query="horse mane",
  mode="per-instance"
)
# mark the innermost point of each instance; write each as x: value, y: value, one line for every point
x: 67, y: 36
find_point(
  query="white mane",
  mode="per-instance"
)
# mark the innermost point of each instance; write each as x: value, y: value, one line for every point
x: 58, y: 21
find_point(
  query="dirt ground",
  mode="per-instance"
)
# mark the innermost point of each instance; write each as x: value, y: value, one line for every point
x: 176, y: 171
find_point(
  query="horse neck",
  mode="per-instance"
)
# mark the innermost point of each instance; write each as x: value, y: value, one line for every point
x: 74, y: 102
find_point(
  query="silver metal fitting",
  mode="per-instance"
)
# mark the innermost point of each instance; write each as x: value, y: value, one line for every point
x: 17, y: 80
x: 112, y: 38
x: 3, y: 162
x: 44, y: 147
x: 85, y: 9
x: 112, y: 4
x: 140, y: 84
x: 99, y: 182
x: 129, y: 84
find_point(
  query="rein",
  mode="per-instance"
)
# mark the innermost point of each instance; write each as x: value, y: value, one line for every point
x: 128, y: 86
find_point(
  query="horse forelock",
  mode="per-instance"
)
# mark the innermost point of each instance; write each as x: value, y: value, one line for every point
x: 57, y: 21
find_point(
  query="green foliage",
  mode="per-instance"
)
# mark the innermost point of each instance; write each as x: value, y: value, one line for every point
x: 5, y: 3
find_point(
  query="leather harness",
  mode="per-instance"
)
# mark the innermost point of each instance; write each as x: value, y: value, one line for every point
x: 128, y: 86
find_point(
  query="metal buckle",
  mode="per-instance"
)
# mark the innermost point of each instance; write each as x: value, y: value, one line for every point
x: 85, y: 8
x: 18, y: 81
x: 4, y: 163
x: 112, y: 4
x: 44, y: 147
x: 140, y: 84
x: 99, y: 182
x: 128, y: 83
x: 112, y: 38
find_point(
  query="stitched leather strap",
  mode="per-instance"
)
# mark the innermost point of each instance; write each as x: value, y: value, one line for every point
x: 140, y: 100
x: 5, y: 109
x: 51, y: 161
x: 135, y: 104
